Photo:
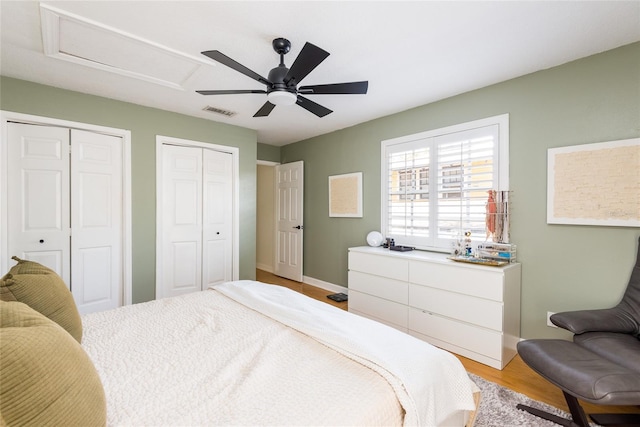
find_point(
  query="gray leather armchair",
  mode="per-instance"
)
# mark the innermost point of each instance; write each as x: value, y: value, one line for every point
x: 601, y: 365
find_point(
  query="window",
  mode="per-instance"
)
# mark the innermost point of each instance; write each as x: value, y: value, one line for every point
x: 435, y: 183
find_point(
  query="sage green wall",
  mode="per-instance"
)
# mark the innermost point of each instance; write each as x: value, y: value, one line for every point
x: 145, y: 123
x: 270, y: 153
x: 564, y: 267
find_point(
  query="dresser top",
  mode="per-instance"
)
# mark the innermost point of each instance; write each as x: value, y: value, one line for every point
x: 426, y: 256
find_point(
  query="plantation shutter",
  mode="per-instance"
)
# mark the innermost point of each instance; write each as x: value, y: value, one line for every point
x: 408, y: 190
x: 465, y: 173
x: 436, y: 187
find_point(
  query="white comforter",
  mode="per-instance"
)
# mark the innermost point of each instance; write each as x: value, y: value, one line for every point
x: 205, y: 359
x: 430, y: 383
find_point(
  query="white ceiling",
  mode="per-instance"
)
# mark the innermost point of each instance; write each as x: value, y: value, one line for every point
x: 412, y: 53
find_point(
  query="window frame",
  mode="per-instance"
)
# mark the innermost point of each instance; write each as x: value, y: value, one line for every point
x: 500, y: 178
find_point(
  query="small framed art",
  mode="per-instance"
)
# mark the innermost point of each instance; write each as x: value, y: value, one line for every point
x: 345, y: 195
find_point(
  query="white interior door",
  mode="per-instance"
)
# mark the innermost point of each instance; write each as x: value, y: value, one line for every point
x: 197, y: 219
x: 96, y: 222
x: 65, y: 208
x: 289, y: 220
x: 38, y: 196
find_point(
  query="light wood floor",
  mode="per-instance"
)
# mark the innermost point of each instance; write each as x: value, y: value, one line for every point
x: 516, y: 375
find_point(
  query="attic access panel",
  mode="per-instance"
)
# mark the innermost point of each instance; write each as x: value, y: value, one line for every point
x: 82, y: 41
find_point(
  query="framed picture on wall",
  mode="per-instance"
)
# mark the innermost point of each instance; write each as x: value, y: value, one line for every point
x: 594, y: 184
x: 345, y: 195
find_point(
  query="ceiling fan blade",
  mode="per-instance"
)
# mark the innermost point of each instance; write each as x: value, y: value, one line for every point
x: 229, y: 92
x: 225, y: 60
x: 312, y: 107
x: 309, y: 58
x: 264, y: 110
x: 352, y: 88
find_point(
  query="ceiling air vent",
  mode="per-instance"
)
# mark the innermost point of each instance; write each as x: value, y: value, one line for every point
x: 226, y: 113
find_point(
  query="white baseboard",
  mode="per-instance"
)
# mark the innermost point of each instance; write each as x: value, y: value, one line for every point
x: 265, y: 267
x: 325, y: 285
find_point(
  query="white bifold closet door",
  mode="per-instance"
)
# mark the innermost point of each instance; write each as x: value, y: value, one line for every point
x: 65, y: 208
x: 197, y: 208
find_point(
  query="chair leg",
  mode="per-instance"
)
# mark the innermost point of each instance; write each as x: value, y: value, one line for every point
x: 547, y: 416
x: 577, y: 413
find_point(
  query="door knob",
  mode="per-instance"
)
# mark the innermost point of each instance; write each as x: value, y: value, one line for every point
x: 41, y: 241
x: 299, y: 227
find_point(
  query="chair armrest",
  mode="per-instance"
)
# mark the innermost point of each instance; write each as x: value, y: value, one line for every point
x: 604, y: 320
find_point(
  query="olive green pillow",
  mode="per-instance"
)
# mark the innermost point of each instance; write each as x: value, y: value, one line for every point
x: 46, y: 377
x: 43, y: 290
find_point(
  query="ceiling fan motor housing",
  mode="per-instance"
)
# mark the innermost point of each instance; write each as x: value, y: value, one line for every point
x: 279, y: 93
x: 276, y: 77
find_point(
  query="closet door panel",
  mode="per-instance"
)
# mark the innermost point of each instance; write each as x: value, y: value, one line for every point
x: 96, y: 226
x: 185, y: 262
x: 38, y: 196
x: 215, y: 265
x: 182, y: 220
x: 94, y: 271
x: 217, y: 239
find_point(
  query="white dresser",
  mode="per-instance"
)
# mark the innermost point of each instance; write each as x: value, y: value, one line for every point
x: 471, y: 310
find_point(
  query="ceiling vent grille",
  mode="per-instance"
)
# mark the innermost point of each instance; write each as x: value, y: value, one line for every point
x: 220, y: 111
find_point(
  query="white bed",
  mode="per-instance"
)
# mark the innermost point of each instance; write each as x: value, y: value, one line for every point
x: 248, y: 353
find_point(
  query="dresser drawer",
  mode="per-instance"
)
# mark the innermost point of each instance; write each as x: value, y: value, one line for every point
x: 378, y: 308
x: 479, y: 281
x: 384, y: 322
x: 391, y: 289
x: 473, y: 338
x: 470, y: 309
x: 385, y: 266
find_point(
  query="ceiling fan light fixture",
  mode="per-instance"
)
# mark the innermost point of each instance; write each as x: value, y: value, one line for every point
x: 281, y: 97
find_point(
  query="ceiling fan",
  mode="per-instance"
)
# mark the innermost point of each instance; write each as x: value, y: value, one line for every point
x: 282, y: 82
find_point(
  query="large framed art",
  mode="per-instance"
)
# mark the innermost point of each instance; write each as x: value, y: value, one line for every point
x: 594, y: 184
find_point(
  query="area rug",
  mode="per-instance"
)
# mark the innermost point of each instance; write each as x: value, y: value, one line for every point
x: 498, y: 407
